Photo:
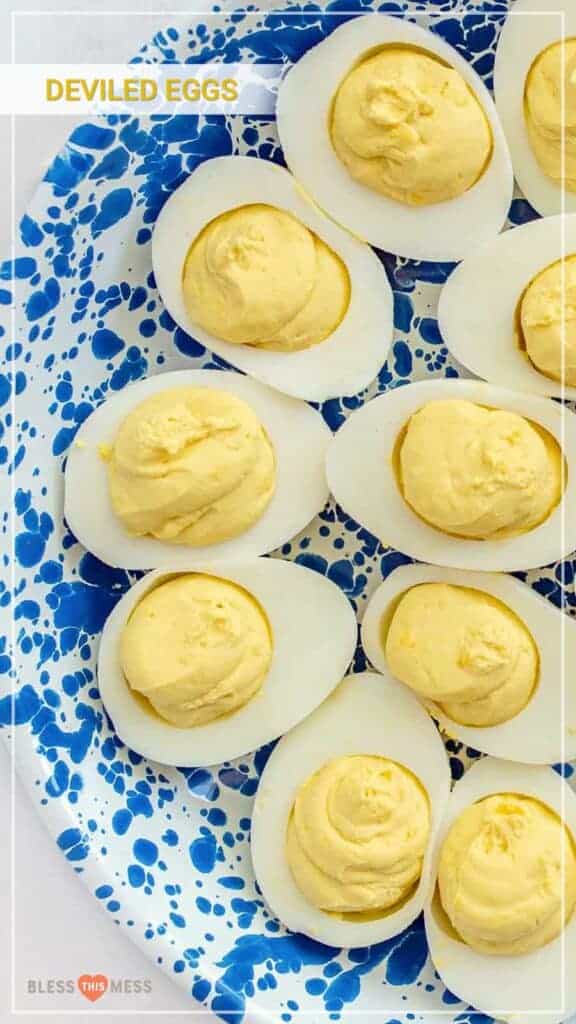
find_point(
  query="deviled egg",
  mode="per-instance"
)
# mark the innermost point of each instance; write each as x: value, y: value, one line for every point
x: 196, y: 459
x: 403, y: 143
x: 249, y: 266
x: 346, y: 813
x: 461, y: 473
x: 501, y: 926
x: 490, y: 658
x: 205, y: 664
x: 508, y: 312
x: 535, y: 93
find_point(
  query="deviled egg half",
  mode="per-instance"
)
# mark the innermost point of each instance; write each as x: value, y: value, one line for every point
x: 535, y: 89
x: 346, y: 813
x: 501, y: 925
x: 207, y: 663
x: 249, y: 266
x: 403, y: 145
x: 462, y: 474
x: 491, y: 659
x: 508, y: 312
x: 196, y: 459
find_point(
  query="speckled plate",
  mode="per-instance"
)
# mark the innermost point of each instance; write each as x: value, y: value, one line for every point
x: 166, y: 851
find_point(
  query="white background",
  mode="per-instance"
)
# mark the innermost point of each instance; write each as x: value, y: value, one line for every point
x: 60, y: 930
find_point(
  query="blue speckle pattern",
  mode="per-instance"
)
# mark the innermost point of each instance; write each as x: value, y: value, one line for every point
x: 166, y: 851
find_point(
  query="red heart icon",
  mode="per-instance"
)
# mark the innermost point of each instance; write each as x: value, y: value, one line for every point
x: 92, y: 986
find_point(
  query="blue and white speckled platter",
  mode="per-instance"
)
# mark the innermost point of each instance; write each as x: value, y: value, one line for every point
x: 165, y: 851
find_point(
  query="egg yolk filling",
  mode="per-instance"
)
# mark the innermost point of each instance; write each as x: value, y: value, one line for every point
x: 409, y: 127
x: 196, y: 647
x: 190, y: 466
x: 357, y: 835
x: 464, y: 650
x: 476, y: 472
x: 507, y: 875
x: 547, y: 321
x: 546, y: 120
x: 257, y: 276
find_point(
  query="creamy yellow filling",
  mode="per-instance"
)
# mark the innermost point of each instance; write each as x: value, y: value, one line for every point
x: 464, y: 650
x: 258, y: 276
x: 476, y: 472
x: 507, y: 875
x: 544, y: 115
x: 357, y: 835
x: 409, y: 127
x: 190, y: 466
x: 547, y: 320
x: 196, y: 647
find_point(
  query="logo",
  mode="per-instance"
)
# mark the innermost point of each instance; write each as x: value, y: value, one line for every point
x: 92, y: 986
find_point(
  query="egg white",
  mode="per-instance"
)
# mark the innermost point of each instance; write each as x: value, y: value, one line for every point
x: 478, y: 304
x: 367, y: 714
x: 531, y: 26
x: 349, y: 359
x: 507, y: 987
x: 299, y: 437
x: 545, y: 731
x: 441, y: 231
x: 361, y: 477
x: 307, y: 663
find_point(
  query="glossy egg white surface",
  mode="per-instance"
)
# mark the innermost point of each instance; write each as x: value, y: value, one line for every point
x: 350, y: 358
x: 362, y: 479
x: 545, y: 731
x: 299, y: 437
x: 366, y: 714
x: 441, y: 231
x: 531, y: 27
x: 307, y: 663
x: 478, y: 304
x: 512, y: 988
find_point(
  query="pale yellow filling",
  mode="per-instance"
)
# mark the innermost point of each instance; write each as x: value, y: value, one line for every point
x: 476, y: 472
x: 196, y: 647
x: 257, y: 276
x: 357, y: 835
x: 501, y: 878
x: 547, y: 317
x: 464, y: 650
x: 543, y: 111
x: 190, y: 466
x: 409, y: 127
